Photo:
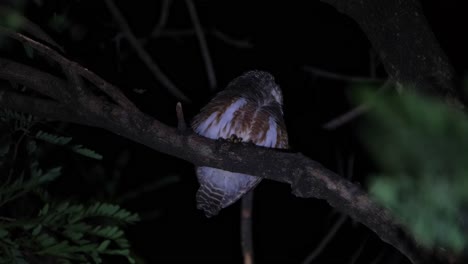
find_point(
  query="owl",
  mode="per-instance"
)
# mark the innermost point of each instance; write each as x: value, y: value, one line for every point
x: 249, y: 109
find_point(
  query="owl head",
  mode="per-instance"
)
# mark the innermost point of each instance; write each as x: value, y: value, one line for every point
x: 257, y: 86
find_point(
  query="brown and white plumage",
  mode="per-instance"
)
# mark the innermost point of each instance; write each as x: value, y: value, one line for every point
x: 249, y: 108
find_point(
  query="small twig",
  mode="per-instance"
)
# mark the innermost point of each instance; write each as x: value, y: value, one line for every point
x: 147, y: 188
x: 350, y: 167
x: 353, y: 113
x: 239, y: 43
x: 181, y: 125
x: 314, y: 254
x: 203, y: 45
x: 339, y: 163
x: 246, y: 228
x: 358, y: 253
x: 163, y: 16
x: 15, y: 155
x: 17, y: 144
x: 106, y: 87
x: 339, y: 77
x: 143, y: 54
x: 223, y: 37
x: 379, y: 257
x: 346, y: 117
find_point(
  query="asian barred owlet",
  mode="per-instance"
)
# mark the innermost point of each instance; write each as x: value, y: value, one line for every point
x: 250, y: 108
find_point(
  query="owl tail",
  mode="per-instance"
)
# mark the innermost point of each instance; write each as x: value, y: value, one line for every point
x: 220, y: 188
x: 209, y: 199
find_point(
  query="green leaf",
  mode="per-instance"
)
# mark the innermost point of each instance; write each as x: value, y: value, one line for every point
x: 29, y: 51
x: 59, y: 22
x: 53, y: 139
x: 103, y: 246
x: 87, y: 152
x: 14, y: 21
x: 37, y: 230
x: 421, y: 147
x: 44, y: 210
x: 45, y: 240
x: 4, y: 148
x: 50, y: 175
x: 3, y: 233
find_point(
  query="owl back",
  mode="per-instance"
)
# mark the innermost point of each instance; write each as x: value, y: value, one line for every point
x: 252, y: 116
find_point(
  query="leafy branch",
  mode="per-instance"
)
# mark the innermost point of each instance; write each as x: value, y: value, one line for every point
x: 62, y: 231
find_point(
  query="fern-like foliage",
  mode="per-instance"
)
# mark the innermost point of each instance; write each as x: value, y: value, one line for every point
x: 64, y: 141
x: 16, y: 120
x: 16, y: 188
x: 68, y: 233
x: 51, y: 230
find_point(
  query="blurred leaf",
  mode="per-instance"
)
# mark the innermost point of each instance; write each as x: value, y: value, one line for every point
x: 13, y: 20
x: 59, y: 22
x: 29, y: 51
x: 421, y: 145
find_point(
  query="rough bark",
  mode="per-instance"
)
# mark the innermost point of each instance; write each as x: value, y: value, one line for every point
x: 407, y: 47
x: 308, y: 179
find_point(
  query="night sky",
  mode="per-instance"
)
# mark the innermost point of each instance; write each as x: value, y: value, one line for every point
x: 279, y: 37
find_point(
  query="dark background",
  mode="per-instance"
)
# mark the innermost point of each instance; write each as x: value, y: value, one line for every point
x: 284, y: 37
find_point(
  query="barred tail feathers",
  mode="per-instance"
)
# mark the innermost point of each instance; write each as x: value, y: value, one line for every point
x: 220, y: 188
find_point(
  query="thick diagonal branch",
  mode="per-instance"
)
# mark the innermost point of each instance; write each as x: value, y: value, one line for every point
x: 106, y: 87
x: 307, y: 178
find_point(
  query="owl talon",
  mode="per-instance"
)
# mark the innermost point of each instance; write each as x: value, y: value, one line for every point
x: 234, y: 139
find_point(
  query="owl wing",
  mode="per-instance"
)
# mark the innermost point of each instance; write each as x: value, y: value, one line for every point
x: 246, y: 119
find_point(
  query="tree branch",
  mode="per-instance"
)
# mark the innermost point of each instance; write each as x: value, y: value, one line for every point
x: 39, y: 107
x: 308, y: 179
x: 408, y: 49
x: 106, y: 87
x: 16, y: 72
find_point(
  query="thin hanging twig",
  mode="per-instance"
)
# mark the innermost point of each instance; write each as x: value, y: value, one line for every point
x: 358, y: 252
x: 314, y: 254
x: 203, y: 45
x: 346, y: 117
x: 246, y: 228
x: 238, y: 43
x: 340, y: 77
x: 355, y: 112
x: 143, y: 54
x: 218, y: 34
x: 163, y: 16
